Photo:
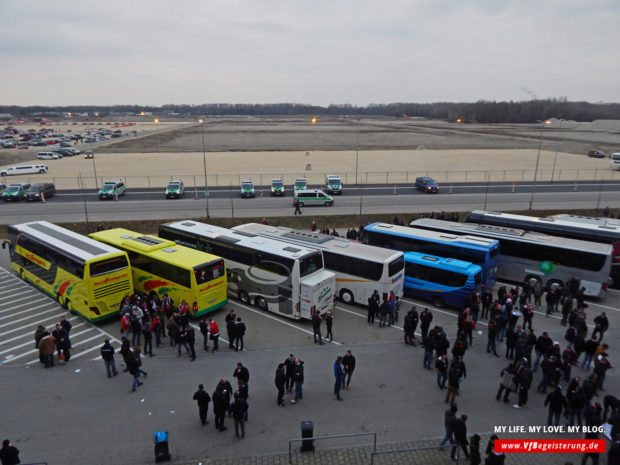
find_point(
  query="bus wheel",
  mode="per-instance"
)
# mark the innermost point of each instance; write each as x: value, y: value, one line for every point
x: 21, y: 275
x: 301, y: 204
x: 533, y: 279
x: 438, y: 302
x: 554, y: 284
x: 244, y: 297
x: 61, y: 300
x: 261, y: 303
x: 153, y: 296
x: 346, y: 296
x: 328, y: 204
x: 68, y: 306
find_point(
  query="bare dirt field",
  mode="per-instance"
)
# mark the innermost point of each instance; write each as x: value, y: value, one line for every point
x: 379, y: 150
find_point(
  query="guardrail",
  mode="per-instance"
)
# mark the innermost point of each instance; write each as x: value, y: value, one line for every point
x: 317, y: 179
x: 334, y: 436
x: 412, y: 449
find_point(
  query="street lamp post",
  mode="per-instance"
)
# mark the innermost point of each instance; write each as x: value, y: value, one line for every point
x: 95, y: 171
x: 544, y: 123
x: 357, y: 140
x: 204, y: 162
x: 555, y: 158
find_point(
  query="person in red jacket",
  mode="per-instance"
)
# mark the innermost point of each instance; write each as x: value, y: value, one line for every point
x: 214, y: 333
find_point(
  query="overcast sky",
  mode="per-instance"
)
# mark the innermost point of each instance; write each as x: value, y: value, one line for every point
x: 314, y: 52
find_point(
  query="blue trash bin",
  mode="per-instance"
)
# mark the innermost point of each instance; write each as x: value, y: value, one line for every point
x: 162, y: 453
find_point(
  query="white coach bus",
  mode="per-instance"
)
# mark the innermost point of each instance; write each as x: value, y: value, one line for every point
x: 275, y: 276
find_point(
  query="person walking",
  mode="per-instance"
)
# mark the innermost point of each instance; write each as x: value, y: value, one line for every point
x: 525, y: 377
x: 220, y: 405
x: 230, y: 320
x: 148, y: 338
x: 190, y: 340
x: 280, y: 381
x: 449, y: 417
x: 240, y: 330
x: 507, y: 384
x: 339, y: 375
x: 133, y: 366
x: 9, y: 454
x: 238, y: 409
x: 214, y: 333
x: 204, y: 330
x: 329, y: 321
x: 454, y: 379
x: 107, y: 354
x: 460, y: 437
x: 296, y: 205
x: 299, y: 380
x: 316, y: 327
x: 556, y: 402
x: 289, y: 365
x: 348, y: 363
x: 203, y: 399
x: 601, y: 325
x: 441, y: 368
x: 373, y: 307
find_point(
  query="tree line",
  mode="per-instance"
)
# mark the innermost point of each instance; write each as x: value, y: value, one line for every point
x: 481, y: 111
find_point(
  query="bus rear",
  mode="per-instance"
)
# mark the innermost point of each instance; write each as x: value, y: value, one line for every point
x: 443, y: 281
x: 209, y: 287
x: 317, y: 286
x: 108, y: 281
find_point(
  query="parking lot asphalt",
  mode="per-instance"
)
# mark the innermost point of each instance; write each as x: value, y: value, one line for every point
x: 74, y: 414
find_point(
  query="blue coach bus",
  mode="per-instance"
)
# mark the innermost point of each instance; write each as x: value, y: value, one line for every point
x: 443, y: 281
x: 477, y: 250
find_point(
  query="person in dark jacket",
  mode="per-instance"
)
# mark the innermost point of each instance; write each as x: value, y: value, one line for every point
x: 543, y: 343
x: 240, y: 330
x: 107, y: 354
x: 408, y: 330
x: 203, y: 399
x: 9, y: 454
x: 220, y: 405
x: 238, y: 409
x: 384, y: 311
x: 230, y: 320
x: 613, y: 454
x: 449, y: 418
x: 415, y: 318
x: 491, y: 336
x: 280, y: 381
x: 298, y: 377
x: 601, y: 325
x: 125, y: 352
x: 474, y: 450
x: 507, y: 384
x: 441, y: 368
x: 348, y: 363
x: 190, y: 341
x: 133, y: 366
x: 426, y: 317
x: 241, y: 373
x: 460, y: 436
x: 556, y: 402
x: 339, y: 376
x: 373, y: 307
x: 204, y: 330
x: 316, y: 327
x: 289, y: 364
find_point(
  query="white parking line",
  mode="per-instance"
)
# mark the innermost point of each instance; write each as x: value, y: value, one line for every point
x: 280, y: 321
x: 28, y: 317
x: 24, y: 298
x: 16, y: 289
x: 603, y: 306
x: 30, y: 342
x: 21, y: 328
x: 14, y: 295
x: 20, y: 312
x: 21, y: 336
x: 72, y: 356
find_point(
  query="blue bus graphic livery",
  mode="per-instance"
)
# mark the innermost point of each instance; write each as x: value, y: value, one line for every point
x: 443, y: 281
x: 477, y: 250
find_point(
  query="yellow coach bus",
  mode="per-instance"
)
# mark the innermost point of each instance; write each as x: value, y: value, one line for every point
x: 85, y: 276
x: 162, y: 267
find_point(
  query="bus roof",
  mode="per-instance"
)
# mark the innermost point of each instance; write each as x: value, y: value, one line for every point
x: 451, y: 264
x: 322, y: 242
x: 601, y: 228
x: 160, y: 249
x: 242, y: 238
x: 501, y: 232
x: 74, y: 244
x: 471, y: 240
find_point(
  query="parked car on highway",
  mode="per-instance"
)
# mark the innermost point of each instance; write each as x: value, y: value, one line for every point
x: 112, y: 190
x: 175, y: 189
x: 333, y: 184
x: 300, y: 184
x: 307, y: 197
x: 426, y: 184
x: 596, y: 154
x: 277, y: 187
x: 40, y: 191
x: 247, y: 189
x: 15, y: 192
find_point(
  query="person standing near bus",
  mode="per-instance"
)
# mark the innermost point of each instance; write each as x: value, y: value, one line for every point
x: 214, y: 333
x: 230, y: 320
x: 107, y: 354
x: 204, y: 330
x: 373, y: 307
x: 316, y: 328
x: 329, y: 321
x: 203, y: 399
x: 190, y: 340
x: 67, y: 327
x: 239, y: 333
x: 384, y: 310
x: 426, y: 317
x: 298, y: 377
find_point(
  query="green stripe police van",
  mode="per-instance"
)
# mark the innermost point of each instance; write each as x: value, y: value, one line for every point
x: 112, y: 190
x: 306, y: 197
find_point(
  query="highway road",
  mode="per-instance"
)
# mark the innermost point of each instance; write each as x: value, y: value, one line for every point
x: 150, y: 204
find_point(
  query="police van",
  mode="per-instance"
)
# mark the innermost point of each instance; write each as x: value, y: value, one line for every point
x: 306, y: 197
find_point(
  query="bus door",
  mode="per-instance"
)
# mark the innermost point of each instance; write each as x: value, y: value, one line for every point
x: 285, y: 300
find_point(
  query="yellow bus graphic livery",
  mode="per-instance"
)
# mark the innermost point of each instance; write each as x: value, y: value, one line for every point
x: 85, y: 276
x: 162, y: 267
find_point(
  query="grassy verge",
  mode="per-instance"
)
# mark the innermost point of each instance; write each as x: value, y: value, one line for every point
x: 296, y: 222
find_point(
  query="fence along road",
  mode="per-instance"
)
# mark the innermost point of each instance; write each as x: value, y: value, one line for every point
x: 23, y: 308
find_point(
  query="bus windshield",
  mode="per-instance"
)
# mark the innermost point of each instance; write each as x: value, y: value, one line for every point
x: 310, y: 263
x: 396, y: 266
x: 209, y: 271
x: 108, y: 265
